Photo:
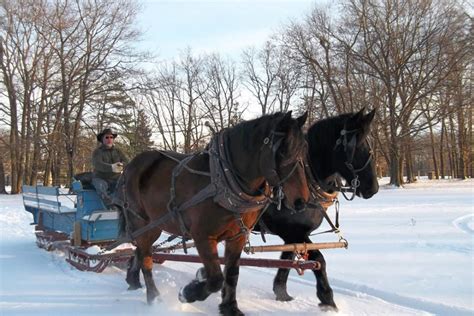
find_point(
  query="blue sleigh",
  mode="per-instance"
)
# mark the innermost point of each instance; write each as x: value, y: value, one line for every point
x: 77, y: 214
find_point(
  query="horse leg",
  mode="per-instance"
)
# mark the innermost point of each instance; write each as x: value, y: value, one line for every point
x: 145, y: 261
x: 281, y: 278
x: 133, y: 272
x: 209, y: 278
x: 233, y: 250
x: 323, y: 289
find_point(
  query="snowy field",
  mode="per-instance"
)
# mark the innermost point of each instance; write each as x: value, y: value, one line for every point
x: 410, y: 253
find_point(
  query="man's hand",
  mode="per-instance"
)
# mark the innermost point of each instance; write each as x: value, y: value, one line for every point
x: 117, y: 167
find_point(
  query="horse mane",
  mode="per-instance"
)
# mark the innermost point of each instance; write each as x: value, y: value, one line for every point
x: 250, y: 134
x: 246, y: 131
x: 325, y: 132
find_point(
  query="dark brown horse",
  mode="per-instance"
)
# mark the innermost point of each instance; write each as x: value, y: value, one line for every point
x: 212, y: 196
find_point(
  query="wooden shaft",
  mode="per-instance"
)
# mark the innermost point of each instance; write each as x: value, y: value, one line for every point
x: 160, y: 257
x: 303, y: 247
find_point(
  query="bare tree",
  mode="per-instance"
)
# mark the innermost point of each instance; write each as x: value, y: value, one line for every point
x: 21, y: 51
x: 219, y: 92
x: 161, y: 102
x: 260, y: 74
x: 54, y: 59
x: 409, y: 47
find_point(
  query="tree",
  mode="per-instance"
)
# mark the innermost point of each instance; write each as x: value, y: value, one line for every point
x: 410, y: 48
x: 219, y: 90
x: 260, y: 76
x: 55, y: 59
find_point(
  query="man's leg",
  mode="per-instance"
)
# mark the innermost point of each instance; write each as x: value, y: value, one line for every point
x: 102, y: 187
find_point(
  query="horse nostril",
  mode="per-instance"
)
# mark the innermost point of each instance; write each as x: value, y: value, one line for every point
x: 299, y: 204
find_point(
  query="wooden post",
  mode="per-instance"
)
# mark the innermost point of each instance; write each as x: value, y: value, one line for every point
x: 76, y: 237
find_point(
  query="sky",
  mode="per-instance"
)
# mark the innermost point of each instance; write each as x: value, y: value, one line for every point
x: 225, y: 27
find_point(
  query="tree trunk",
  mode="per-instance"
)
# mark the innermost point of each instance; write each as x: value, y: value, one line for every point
x: 2, y: 177
x: 395, y: 171
x: 396, y: 176
x: 470, y: 144
x: 454, y: 153
x: 441, y: 150
x: 433, y: 152
x: 409, y: 164
x: 12, y: 101
x: 461, y: 145
x: 47, y: 172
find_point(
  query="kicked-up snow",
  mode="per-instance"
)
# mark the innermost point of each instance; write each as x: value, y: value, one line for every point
x: 410, y: 253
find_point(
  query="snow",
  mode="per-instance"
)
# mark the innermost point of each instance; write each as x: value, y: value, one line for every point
x: 410, y: 253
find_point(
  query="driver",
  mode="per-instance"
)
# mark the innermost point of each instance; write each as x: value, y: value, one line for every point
x: 108, y: 163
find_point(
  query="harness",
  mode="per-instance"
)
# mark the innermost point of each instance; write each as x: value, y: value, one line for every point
x: 225, y: 187
x: 320, y: 198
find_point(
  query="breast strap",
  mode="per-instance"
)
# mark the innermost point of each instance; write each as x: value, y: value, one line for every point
x: 230, y: 194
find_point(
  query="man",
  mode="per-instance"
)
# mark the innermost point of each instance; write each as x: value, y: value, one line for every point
x: 107, y: 162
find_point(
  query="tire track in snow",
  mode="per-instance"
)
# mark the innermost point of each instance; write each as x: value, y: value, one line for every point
x: 465, y: 223
x: 410, y: 302
x: 359, y: 290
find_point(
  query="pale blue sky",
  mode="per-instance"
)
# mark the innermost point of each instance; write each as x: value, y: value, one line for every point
x: 225, y: 26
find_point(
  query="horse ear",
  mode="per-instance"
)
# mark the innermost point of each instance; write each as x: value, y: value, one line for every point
x: 365, y: 124
x: 355, y: 120
x: 302, y: 119
x: 369, y: 117
x: 359, y: 115
x: 284, y: 122
x: 286, y: 118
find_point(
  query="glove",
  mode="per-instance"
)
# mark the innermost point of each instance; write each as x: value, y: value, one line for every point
x: 117, y: 167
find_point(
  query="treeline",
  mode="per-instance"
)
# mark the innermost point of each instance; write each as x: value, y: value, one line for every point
x: 70, y: 68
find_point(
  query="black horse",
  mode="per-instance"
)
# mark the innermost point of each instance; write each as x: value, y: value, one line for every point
x: 337, y: 147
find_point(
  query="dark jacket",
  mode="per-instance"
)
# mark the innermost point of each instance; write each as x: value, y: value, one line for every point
x: 102, y: 160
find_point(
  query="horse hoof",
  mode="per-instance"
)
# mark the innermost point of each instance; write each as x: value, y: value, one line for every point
x: 284, y: 297
x: 328, y: 307
x: 134, y: 287
x: 151, y: 296
x: 181, y: 297
x: 201, y: 275
x: 230, y: 310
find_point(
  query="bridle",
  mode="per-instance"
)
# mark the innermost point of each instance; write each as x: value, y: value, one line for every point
x: 273, y: 143
x: 349, y: 148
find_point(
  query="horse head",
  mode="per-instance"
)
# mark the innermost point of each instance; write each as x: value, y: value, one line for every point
x: 345, y: 151
x: 288, y: 159
x: 272, y: 149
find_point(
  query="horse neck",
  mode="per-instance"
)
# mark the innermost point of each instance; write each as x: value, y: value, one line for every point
x: 321, y: 159
x: 242, y: 160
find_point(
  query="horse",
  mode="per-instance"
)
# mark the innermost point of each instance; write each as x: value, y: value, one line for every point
x: 212, y: 196
x: 337, y: 147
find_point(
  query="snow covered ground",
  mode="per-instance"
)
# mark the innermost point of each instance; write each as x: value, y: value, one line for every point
x: 410, y: 253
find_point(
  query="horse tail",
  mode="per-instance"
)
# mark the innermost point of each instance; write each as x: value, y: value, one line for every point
x: 129, y: 189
